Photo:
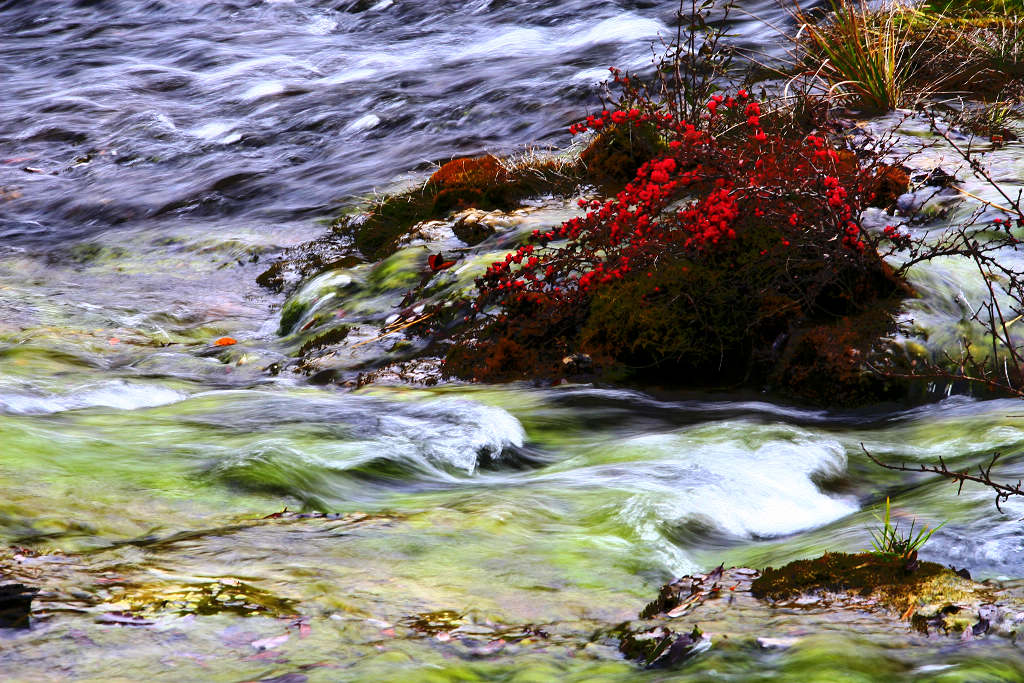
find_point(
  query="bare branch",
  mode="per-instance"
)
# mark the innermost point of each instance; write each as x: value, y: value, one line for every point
x: 984, y: 476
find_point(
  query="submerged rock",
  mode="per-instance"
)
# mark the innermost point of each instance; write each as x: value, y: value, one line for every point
x: 471, y: 228
x: 662, y: 648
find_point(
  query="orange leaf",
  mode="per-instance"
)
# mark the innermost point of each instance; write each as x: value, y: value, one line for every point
x: 437, y: 262
x: 225, y: 341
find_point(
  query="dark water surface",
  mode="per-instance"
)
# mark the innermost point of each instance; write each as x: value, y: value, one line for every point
x: 270, y: 111
x: 266, y: 111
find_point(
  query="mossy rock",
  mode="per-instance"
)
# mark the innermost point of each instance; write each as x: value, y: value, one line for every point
x: 690, y: 322
x: 330, y: 337
x: 659, y: 647
x: 523, y: 346
x: 375, y: 236
x: 291, y: 313
x: 830, y: 363
x: 468, y: 182
x: 901, y: 585
x: 462, y: 183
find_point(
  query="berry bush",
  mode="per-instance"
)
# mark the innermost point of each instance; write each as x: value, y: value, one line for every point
x: 730, y: 236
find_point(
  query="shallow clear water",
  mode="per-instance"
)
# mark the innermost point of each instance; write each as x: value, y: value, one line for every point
x: 139, y: 460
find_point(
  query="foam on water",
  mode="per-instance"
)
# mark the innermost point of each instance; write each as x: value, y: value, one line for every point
x: 221, y: 131
x: 264, y: 89
x: 572, y: 35
x: 740, y: 479
x: 759, y: 490
x: 365, y: 122
x: 437, y: 442
x: 116, y: 394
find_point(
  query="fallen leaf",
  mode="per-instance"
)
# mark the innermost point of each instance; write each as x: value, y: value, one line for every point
x: 437, y: 262
x: 225, y: 341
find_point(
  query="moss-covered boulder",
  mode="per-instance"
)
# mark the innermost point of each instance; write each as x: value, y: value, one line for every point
x: 885, y: 596
x: 928, y: 595
x: 469, y: 182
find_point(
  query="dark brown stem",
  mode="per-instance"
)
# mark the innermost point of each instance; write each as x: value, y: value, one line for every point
x: 984, y: 476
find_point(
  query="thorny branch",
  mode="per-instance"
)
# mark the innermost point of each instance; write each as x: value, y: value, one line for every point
x: 1000, y: 368
x: 985, y: 243
x: 984, y: 476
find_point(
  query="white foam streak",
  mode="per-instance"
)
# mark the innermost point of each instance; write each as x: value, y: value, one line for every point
x: 722, y: 476
x: 453, y: 433
x: 555, y: 39
x: 118, y: 395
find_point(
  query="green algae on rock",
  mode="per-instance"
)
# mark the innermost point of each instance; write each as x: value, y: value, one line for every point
x: 873, y: 591
x: 924, y: 592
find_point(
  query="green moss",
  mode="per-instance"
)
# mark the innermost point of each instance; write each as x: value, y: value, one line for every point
x: 401, y: 270
x: 375, y: 236
x: 689, y: 316
x: 926, y: 588
x: 332, y: 336
x: 90, y: 252
x: 482, y: 183
x: 975, y: 8
x: 290, y: 315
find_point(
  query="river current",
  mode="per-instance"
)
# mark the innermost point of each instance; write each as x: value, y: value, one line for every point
x: 155, y: 155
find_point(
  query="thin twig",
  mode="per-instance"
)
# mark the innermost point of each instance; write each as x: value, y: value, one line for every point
x: 984, y: 476
x: 392, y: 331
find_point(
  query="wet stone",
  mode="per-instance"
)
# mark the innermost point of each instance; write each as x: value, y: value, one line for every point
x: 470, y: 227
x: 661, y: 647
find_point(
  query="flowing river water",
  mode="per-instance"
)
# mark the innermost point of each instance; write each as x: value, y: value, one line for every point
x: 154, y: 155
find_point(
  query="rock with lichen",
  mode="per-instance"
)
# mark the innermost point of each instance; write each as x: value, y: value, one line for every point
x: 878, y: 596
